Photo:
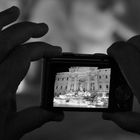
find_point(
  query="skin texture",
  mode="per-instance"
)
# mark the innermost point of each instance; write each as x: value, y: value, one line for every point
x: 15, y: 58
x: 127, y: 55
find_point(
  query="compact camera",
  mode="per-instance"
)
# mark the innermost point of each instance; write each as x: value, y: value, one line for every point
x: 84, y: 82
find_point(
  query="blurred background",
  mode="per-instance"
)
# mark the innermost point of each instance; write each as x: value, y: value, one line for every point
x: 80, y: 26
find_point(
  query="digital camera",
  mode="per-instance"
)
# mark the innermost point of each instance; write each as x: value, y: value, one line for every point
x: 84, y: 82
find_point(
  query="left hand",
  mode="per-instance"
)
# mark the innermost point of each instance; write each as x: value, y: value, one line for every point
x: 15, y: 58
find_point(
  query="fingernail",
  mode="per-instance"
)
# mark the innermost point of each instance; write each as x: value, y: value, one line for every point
x: 44, y: 26
x: 59, y: 50
x: 54, y: 51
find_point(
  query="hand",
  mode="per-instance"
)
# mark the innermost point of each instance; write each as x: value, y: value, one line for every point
x: 129, y: 121
x: 127, y: 55
x: 15, y: 58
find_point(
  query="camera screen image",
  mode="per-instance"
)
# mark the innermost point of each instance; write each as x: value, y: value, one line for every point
x: 82, y: 87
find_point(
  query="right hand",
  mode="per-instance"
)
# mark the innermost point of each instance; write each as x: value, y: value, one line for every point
x: 127, y: 55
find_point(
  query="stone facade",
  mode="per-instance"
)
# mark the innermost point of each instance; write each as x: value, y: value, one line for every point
x: 90, y: 79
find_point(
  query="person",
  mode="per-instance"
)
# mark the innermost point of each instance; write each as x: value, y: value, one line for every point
x: 127, y: 55
x: 15, y: 58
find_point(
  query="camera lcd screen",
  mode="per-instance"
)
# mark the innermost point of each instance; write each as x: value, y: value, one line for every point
x: 82, y: 87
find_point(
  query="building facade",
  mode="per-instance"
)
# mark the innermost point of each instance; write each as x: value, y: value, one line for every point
x: 82, y: 79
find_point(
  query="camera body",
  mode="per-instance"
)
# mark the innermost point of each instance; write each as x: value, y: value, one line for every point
x: 84, y: 82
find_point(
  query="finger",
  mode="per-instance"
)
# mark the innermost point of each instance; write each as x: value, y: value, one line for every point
x: 115, y: 47
x: 8, y: 16
x: 24, y: 31
x: 135, y: 41
x: 38, y: 50
x: 18, y: 34
x: 32, y: 118
x: 129, y: 121
x: 15, y: 67
x: 128, y: 58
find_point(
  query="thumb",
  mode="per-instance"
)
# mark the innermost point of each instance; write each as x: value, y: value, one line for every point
x: 129, y: 121
x: 32, y: 118
x: 127, y: 57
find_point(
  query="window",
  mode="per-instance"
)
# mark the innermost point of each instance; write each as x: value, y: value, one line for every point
x: 107, y: 94
x: 92, y: 86
x: 107, y: 86
x: 106, y: 77
x: 100, y: 86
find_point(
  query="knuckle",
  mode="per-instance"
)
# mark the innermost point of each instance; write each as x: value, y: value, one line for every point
x: 134, y: 40
x: 117, y: 46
